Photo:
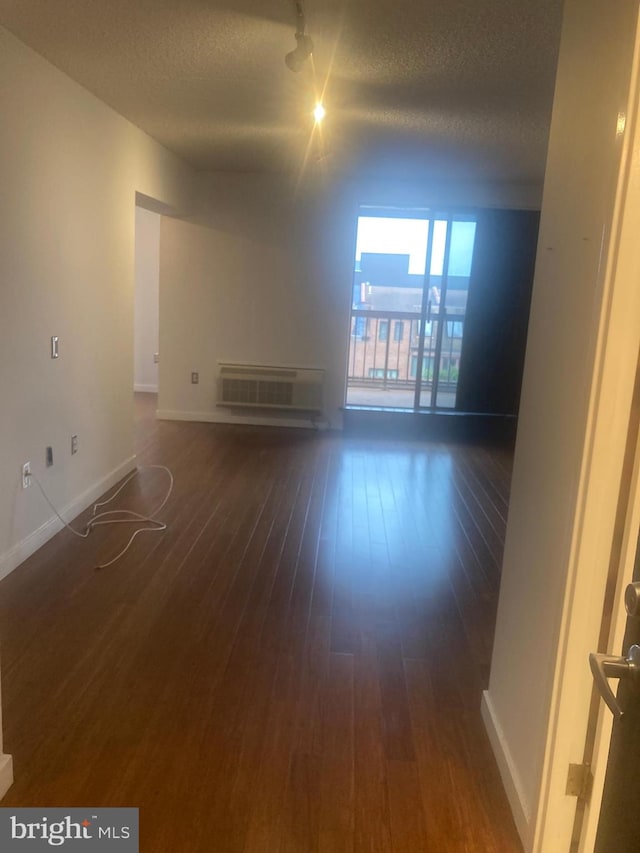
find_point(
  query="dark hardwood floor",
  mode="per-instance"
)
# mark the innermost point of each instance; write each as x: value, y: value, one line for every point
x: 295, y: 665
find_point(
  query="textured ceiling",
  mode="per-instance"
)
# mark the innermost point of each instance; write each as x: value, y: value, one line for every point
x: 412, y: 87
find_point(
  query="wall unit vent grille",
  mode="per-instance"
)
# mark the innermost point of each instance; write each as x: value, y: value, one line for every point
x: 270, y: 387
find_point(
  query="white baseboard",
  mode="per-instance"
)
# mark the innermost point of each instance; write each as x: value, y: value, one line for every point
x: 223, y: 416
x: 6, y: 774
x: 19, y: 552
x: 146, y: 389
x: 510, y: 778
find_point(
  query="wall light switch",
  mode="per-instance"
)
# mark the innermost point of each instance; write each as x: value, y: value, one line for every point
x: 195, y: 377
x: 156, y: 357
x: 74, y: 444
x: 54, y: 346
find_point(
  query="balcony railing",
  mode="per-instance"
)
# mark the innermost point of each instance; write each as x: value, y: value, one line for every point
x: 384, y: 351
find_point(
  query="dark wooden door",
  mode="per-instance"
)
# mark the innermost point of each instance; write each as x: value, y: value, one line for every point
x: 619, y: 828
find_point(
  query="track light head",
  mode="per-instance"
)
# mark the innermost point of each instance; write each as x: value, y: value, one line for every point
x: 296, y: 59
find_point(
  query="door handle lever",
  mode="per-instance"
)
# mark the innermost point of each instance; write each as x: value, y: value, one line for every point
x: 604, y: 667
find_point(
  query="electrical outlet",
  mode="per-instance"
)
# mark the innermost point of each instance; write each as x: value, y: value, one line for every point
x: 49, y: 456
x: 195, y: 377
x: 74, y: 444
x: 26, y: 475
x: 156, y: 357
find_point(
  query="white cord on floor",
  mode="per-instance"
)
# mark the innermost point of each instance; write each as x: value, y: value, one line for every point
x: 130, y: 517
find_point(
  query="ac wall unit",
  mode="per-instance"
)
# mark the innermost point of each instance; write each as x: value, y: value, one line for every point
x: 263, y: 386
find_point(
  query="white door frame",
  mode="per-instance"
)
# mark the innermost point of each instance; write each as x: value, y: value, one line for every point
x: 616, y: 639
x: 617, y: 347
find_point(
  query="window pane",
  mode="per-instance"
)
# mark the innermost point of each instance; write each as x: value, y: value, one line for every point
x: 463, y: 235
x: 389, y: 281
x: 458, y: 273
x: 394, y: 236
x: 439, y: 241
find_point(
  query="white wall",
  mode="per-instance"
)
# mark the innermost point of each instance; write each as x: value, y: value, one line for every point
x: 263, y: 274
x: 69, y: 171
x: 555, y: 507
x: 147, y: 296
x: 249, y: 280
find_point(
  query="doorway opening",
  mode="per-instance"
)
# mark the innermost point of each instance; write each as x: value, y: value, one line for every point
x: 146, y: 301
x: 408, y: 309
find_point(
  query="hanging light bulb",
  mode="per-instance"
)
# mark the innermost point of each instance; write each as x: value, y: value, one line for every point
x: 319, y: 112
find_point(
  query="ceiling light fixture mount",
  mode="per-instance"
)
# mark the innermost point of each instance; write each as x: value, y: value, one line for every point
x: 296, y: 59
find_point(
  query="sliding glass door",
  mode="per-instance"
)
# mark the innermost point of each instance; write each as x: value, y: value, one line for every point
x: 411, y: 279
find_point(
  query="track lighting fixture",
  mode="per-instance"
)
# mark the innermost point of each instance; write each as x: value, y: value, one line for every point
x: 296, y: 59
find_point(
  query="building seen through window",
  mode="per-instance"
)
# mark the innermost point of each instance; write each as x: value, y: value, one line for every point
x: 402, y: 316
